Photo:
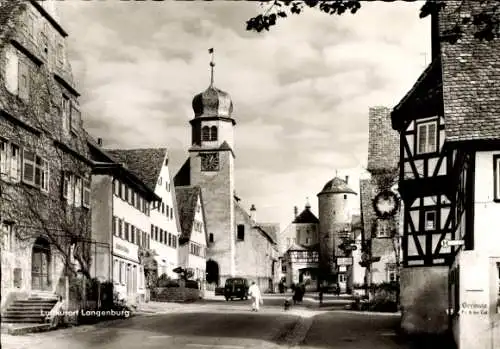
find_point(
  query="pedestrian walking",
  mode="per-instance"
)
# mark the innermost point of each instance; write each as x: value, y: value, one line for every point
x: 254, y: 292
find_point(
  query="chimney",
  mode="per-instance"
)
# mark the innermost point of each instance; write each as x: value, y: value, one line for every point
x: 99, y: 142
x: 295, y: 211
x: 347, y: 179
x: 253, y: 213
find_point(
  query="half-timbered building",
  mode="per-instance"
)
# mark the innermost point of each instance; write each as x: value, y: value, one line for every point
x: 449, y: 124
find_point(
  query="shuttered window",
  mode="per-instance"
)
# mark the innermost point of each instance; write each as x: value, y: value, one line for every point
x: 29, y: 167
x: 24, y: 81
x: 11, y: 70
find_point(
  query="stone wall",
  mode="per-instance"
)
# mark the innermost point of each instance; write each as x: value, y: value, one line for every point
x: 383, y: 141
x: 175, y: 294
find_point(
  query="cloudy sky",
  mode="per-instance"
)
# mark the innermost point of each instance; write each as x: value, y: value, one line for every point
x: 301, y: 92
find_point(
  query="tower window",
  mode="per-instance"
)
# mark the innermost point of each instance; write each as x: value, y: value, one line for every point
x: 345, y: 197
x: 241, y: 232
x: 213, y: 133
x: 205, y: 133
x: 211, y: 237
x: 209, y: 133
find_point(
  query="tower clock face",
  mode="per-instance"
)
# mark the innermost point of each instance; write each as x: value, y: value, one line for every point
x: 209, y: 161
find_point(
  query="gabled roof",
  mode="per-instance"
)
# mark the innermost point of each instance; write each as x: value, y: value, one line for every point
x: 271, y: 229
x: 268, y: 230
x: 183, y: 176
x: 187, y: 198
x: 424, y: 99
x: 146, y: 163
x: 103, y: 162
x: 471, y: 80
x: 306, y: 216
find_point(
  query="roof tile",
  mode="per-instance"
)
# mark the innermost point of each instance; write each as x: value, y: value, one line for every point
x: 471, y: 80
x: 146, y: 163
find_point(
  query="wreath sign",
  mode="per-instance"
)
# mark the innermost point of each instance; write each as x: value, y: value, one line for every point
x: 386, y: 204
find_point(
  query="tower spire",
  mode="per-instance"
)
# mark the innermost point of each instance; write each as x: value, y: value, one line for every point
x: 212, y: 65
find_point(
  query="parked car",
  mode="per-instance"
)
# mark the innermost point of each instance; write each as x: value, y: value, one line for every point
x: 236, y: 288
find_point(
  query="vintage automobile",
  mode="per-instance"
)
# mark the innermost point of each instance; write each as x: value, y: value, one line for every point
x: 236, y: 288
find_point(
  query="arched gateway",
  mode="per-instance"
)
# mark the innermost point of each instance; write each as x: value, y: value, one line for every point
x: 40, y: 265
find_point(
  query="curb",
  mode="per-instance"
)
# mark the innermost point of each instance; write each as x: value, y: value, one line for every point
x: 20, y: 331
x: 377, y: 313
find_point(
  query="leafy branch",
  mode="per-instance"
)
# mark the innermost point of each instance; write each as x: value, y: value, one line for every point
x: 483, y: 18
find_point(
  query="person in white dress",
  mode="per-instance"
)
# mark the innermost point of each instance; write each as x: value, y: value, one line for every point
x: 254, y: 292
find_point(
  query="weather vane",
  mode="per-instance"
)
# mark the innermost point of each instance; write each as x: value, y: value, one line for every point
x: 212, y: 65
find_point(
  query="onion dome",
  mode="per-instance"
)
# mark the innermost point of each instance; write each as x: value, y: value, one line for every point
x: 212, y: 102
x: 337, y: 186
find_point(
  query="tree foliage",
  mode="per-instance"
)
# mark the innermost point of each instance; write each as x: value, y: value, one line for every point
x: 484, y: 22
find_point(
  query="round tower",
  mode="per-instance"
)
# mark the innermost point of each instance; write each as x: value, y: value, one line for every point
x: 334, y: 219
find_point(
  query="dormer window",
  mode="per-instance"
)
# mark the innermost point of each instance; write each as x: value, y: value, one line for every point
x: 427, y: 137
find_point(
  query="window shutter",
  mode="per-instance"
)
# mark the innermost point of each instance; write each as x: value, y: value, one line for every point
x: 45, y: 180
x: 78, y: 192
x: 4, y: 168
x: 65, y: 113
x: 11, y: 71
x: 15, y: 163
x: 497, y: 179
x: 24, y: 81
x: 431, y: 137
x: 86, y: 193
x: 28, y: 167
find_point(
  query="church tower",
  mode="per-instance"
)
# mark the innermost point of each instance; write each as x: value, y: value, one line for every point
x: 212, y: 168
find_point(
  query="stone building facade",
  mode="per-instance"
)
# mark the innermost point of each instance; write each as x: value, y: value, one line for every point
x: 45, y: 171
x: 383, y: 165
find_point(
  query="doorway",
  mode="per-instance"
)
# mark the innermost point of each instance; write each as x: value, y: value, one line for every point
x: 40, y: 265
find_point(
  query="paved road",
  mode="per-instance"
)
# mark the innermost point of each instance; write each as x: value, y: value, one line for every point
x: 225, y: 325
